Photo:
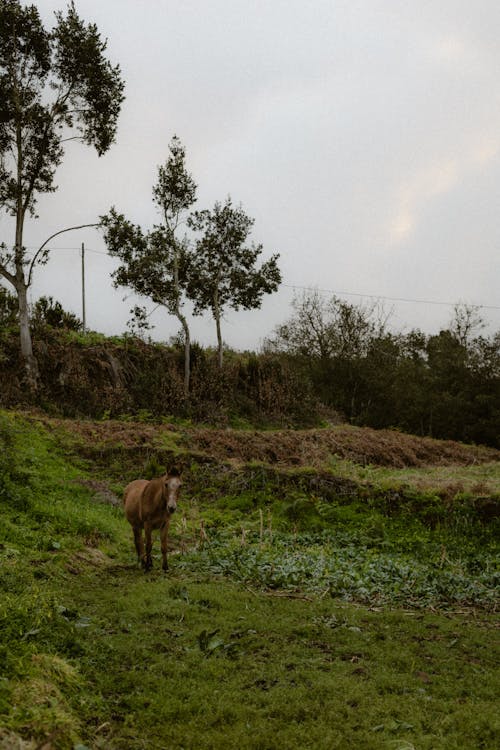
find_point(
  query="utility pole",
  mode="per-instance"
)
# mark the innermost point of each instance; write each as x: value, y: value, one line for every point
x: 83, y: 288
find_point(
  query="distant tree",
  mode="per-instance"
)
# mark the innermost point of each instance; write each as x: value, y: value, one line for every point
x: 445, y: 385
x: 224, y: 271
x: 139, y: 321
x: 55, y: 86
x: 155, y: 264
x: 331, y: 340
x: 325, y: 328
x: 8, y: 308
x: 466, y: 322
x: 484, y: 365
x: 49, y: 312
x: 310, y: 331
x: 449, y: 394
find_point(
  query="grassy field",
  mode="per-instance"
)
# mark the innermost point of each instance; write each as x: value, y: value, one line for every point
x: 289, y: 619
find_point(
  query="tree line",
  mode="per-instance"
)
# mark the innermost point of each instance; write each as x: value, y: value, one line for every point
x: 330, y: 361
x: 444, y: 385
x: 56, y: 85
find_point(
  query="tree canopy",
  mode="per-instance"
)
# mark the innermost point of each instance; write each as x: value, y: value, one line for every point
x: 56, y: 86
x: 224, y: 271
x: 155, y: 263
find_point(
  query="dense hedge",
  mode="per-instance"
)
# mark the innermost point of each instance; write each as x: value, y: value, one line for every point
x: 430, y: 386
x: 97, y: 377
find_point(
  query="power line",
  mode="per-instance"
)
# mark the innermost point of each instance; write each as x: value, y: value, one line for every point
x: 87, y: 249
x: 323, y: 291
x: 96, y: 252
x: 381, y: 296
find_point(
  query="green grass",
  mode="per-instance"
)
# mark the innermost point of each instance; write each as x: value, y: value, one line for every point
x: 186, y: 663
x: 249, y: 641
x: 477, y: 479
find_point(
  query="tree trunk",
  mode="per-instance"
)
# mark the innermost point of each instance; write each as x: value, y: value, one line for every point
x: 187, y: 361
x: 187, y: 353
x: 216, y: 312
x: 185, y: 328
x: 30, y: 363
x: 219, y: 338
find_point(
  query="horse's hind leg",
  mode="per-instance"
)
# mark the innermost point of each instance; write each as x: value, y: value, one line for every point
x: 139, y: 546
x: 148, y: 560
x: 163, y: 537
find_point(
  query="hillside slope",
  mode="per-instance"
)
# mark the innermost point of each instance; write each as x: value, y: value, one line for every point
x: 312, y: 447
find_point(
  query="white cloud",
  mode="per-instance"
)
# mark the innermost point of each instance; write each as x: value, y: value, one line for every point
x: 434, y: 181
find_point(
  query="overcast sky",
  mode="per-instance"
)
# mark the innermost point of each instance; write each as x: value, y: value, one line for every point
x: 362, y: 135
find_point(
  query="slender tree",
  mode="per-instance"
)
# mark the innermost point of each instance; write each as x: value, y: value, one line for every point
x: 224, y: 271
x: 465, y: 322
x: 55, y: 86
x: 155, y: 264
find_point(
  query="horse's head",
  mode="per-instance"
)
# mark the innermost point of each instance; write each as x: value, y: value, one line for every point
x: 173, y: 483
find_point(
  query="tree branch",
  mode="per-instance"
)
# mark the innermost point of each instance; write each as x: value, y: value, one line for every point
x: 10, y: 278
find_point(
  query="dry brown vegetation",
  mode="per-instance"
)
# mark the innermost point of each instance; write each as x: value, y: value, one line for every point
x: 360, y: 445
x: 297, y: 448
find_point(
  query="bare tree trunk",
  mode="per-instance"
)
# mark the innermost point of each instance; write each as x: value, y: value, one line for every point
x: 216, y: 312
x: 187, y: 353
x: 219, y: 338
x: 21, y: 287
x: 185, y: 328
x: 187, y: 360
x: 30, y: 363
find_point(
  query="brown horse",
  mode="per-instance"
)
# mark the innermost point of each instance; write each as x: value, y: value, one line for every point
x: 148, y: 506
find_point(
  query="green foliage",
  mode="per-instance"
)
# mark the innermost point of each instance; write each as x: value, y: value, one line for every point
x: 148, y: 260
x: 156, y: 264
x: 394, y: 383
x: 85, y: 90
x: 55, y: 85
x: 8, y: 309
x: 444, y: 385
x: 224, y: 268
x: 364, y: 566
x: 223, y: 271
x: 14, y: 479
x: 46, y: 517
x: 301, y: 511
x: 153, y: 468
x: 47, y: 312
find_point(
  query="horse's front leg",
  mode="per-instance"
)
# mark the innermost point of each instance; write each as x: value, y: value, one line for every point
x: 139, y: 546
x: 148, y: 562
x: 163, y: 537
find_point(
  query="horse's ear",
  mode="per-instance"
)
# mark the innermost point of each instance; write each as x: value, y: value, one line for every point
x: 174, y: 472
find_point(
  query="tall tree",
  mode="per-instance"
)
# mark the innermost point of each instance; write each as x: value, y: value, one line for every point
x: 466, y: 322
x: 310, y: 332
x: 330, y: 339
x: 55, y: 86
x: 224, y: 271
x: 155, y: 264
